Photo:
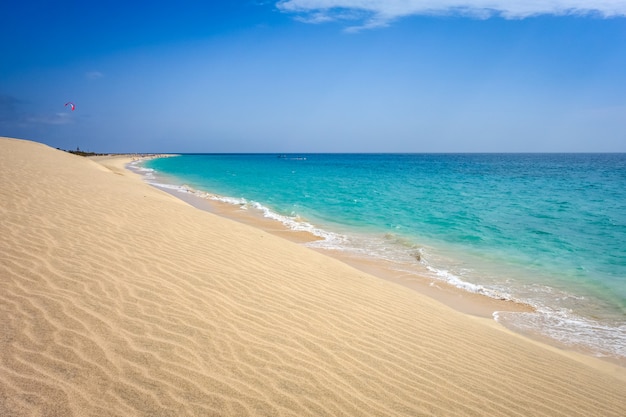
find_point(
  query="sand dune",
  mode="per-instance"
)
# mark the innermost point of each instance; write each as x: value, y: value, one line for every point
x: 116, y: 299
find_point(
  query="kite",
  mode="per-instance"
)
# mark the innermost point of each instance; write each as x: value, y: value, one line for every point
x: 72, y: 106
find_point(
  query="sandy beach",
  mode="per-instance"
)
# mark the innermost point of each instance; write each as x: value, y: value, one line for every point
x: 118, y: 299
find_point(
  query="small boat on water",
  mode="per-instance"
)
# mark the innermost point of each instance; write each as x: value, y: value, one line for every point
x: 292, y: 158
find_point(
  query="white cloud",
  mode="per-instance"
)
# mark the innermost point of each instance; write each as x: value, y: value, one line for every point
x: 377, y: 13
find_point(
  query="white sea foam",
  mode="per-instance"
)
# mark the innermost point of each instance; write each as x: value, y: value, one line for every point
x: 148, y: 173
x: 328, y: 239
x: 572, y: 331
x: 201, y: 194
x: 168, y: 186
x: 295, y: 223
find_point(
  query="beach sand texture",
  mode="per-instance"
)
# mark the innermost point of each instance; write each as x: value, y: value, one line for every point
x: 117, y: 299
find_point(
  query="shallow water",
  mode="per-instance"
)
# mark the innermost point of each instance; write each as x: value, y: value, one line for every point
x: 544, y: 229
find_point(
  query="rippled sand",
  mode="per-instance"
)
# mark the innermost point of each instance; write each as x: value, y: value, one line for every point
x: 116, y: 299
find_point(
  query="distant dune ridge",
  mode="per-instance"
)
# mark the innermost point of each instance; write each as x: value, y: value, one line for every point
x: 117, y: 299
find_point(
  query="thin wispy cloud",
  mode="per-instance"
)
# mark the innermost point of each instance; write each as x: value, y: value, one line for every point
x: 8, y: 108
x: 93, y: 75
x: 378, y: 13
x: 50, y: 119
x: 13, y: 113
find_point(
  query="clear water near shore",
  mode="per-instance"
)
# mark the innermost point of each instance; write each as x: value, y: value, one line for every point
x: 544, y: 229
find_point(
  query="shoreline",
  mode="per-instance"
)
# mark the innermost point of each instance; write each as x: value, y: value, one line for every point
x: 120, y: 299
x: 474, y: 304
x: 460, y: 300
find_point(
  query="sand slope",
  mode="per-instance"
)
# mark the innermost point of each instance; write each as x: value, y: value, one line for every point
x: 116, y: 299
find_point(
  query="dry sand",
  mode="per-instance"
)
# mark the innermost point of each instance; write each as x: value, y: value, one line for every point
x: 117, y: 299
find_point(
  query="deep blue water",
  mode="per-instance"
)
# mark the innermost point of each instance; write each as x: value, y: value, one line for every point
x: 546, y: 229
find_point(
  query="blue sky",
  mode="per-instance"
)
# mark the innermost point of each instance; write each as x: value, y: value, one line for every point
x: 316, y: 75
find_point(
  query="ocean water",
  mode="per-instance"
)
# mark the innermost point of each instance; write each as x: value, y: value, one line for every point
x: 548, y: 230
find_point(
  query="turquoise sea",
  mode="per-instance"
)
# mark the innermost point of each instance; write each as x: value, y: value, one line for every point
x: 544, y: 229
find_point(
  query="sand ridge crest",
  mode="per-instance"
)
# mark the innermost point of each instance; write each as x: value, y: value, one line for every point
x: 118, y: 300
